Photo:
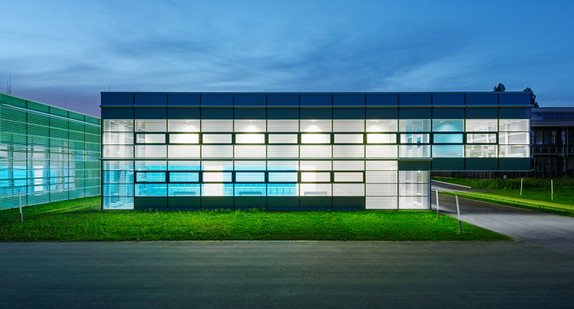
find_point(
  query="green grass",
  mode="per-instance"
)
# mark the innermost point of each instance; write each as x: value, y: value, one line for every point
x: 78, y: 220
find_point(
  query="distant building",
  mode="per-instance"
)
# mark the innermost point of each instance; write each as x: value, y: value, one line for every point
x: 46, y: 153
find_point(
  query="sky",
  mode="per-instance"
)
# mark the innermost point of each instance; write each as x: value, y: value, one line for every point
x: 65, y: 53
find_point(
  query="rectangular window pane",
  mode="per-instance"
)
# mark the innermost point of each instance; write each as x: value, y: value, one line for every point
x: 381, y: 176
x: 514, y: 151
x: 481, y: 151
x: 184, y: 152
x: 349, y: 138
x: 282, y: 151
x: 184, y: 166
x: 151, y: 165
x: 514, y: 138
x: 249, y: 177
x: 282, y: 189
x: 283, y: 139
x: 183, y: 177
x: 382, y: 165
x: 378, y: 202
x: 315, y: 189
x: 216, y: 176
x: 414, y: 151
x: 415, y: 138
x: 414, y: 125
x: 484, y: 138
x: 150, y: 125
x: 210, y: 125
x: 382, y: 125
x: 348, y: 165
x: 282, y: 177
x: 151, y: 189
x: 118, y: 165
x: 217, y: 165
x: 348, y: 151
x: 381, y: 138
x: 118, y: 189
x: 385, y: 189
x: 150, y: 138
x: 344, y: 125
x: 481, y: 125
x: 383, y: 151
x: 217, y: 138
x: 217, y: 189
x: 118, y: 125
x: 447, y: 138
x: 118, y: 138
x: 184, y: 138
x: 250, y: 151
x: 315, y: 176
x: 282, y: 125
x: 219, y: 151
x: 348, y: 189
x: 315, y: 151
x: 315, y: 138
x: 151, y: 151
x: 250, y: 189
x: 183, y: 125
x: 250, y: 165
x: 315, y: 125
x: 250, y: 138
x: 250, y: 126
x: 447, y: 125
x: 348, y: 177
x: 447, y: 151
x: 150, y: 177
x: 282, y: 166
x: 514, y: 125
x: 184, y: 189
x: 315, y: 165
x: 115, y: 151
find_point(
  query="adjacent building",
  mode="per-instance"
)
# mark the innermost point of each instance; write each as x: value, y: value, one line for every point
x: 46, y: 153
x: 302, y: 151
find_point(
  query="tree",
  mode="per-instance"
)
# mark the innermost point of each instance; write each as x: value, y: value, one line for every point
x: 532, y: 96
x: 499, y: 88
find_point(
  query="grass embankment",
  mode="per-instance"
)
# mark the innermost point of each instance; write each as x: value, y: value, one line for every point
x: 81, y: 219
x: 535, y: 193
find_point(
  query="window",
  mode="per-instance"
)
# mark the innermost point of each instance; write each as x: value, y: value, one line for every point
x: 250, y: 165
x: 414, y: 125
x: 150, y: 125
x: 414, y: 151
x: 151, y: 165
x: 283, y: 139
x: 250, y: 177
x: 481, y: 151
x: 183, y: 125
x: 447, y: 138
x: 514, y: 137
x: 282, y: 151
x: 282, y: 177
x: 315, y: 165
x: 184, y: 189
x: 282, y: 125
x: 349, y: 138
x: 183, y: 177
x: 315, y: 138
x: 447, y: 125
x: 315, y: 189
x: 315, y: 151
x: 217, y: 165
x: 340, y: 125
x: 150, y: 138
x: 118, y: 138
x: 381, y: 125
x: 250, y: 138
x: 348, y: 177
x: 211, y: 125
x: 184, y: 138
x: 349, y: 151
x: 184, y: 152
x: 184, y: 166
x: 150, y: 177
x: 514, y: 125
x: 216, y: 151
x: 381, y: 138
x: 415, y: 138
x: 447, y: 151
x: 151, y: 151
x: 216, y: 176
x: 282, y: 165
x: 481, y: 125
x: 382, y: 152
x: 477, y: 138
x: 250, y: 189
x: 118, y: 125
x: 249, y: 125
x: 151, y: 189
x: 250, y: 151
x: 315, y: 125
x: 349, y: 165
x: 514, y: 151
x: 315, y: 177
x: 217, y: 138
x: 348, y: 189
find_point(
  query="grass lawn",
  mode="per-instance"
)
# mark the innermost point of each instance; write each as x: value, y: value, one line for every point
x: 81, y: 219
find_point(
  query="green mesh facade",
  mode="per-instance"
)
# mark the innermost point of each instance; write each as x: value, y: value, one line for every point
x: 46, y: 153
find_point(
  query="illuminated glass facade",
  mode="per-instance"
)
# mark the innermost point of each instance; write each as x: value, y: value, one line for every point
x: 302, y: 150
x: 46, y: 153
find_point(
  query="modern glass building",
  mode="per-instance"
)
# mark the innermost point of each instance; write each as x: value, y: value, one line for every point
x: 46, y: 153
x: 302, y: 151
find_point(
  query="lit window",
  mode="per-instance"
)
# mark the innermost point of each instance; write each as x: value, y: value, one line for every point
x: 184, y: 138
x: 217, y: 138
x: 382, y: 125
x: 282, y: 125
x: 283, y: 139
x: 183, y: 125
x: 349, y: 138
x: 447, y: 138
x: 250, y: 138
x: 183, y: 152
x: 249, y: 125
x: 478, y: 138
x: 315, y: 126
x: 481, y: 125
x: 216, y: 176
x: 315, y: 177
x: 183, y: 177
x: 150, y: 138
x: 343, y: 125
x: 282, y: 177
x: 315, y: 151
x: 315, y: 138
x: 250, y: 177
x: 250, y: 151
x: 348, y: 177
x: 381, y: 138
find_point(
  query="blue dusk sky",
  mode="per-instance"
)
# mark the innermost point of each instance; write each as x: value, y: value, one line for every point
x: 66, y: 52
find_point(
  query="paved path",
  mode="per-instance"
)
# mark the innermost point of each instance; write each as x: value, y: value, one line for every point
x: 265, y: 274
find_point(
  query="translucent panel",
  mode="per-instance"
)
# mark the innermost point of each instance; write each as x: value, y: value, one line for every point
x: 183, y: 177
x: 282, y: 125
x: 481, y: 125
x: 216, y: 176
x: 118, y: 202
x: 348, y: 151
x: 150, y: 177
x: 373, y: 165
x: 413, y: 202
x: 414, y: 151
x: 216, y: 189
x: 151, y: 165
x: 315, y: 138
x: 151, y: 125
x: 514, y: 124
x: 414, y: 177
x: 183, y: 152
x: 381, y: 125
x: 349, y: 138
x: 481, y: 151
x: 282, y: 177
x: 118, y: 165
x: 348, y: 189
x: 315, y: 165
x: 374, y: 138
x: 348, y: 165
x: 250, y: 151
x: 283, y: 138
x: 381, y: 203
x: 315, y: 125
x: 514, y: 151
x: 383, y: 151
x: 481, y: 138
x: 118, y: 189
x: 282, y: 166
x: 217, y: 165
x: 250, y: 189
x: 447, y: 125
x: 250, y: 138
x: 250, y: 165
x: 385, y: 189
x: 415, y: 138
x: 280, y: 151
x: 118, y: 176
x: 315, y: 151
x: 447, y: 138
x: 151, y: 151
x: 315, y: 176
x: 348, y: 177
x: 381, y: 176
x: 447, y: 151
x: 514, y: 138
x: 184, y: 138
x: 183, y: 125
x: 150, y: 138
x: 184, y: 166
x: 184, y: 189
x: 315, y: 189
x: 114, y: 151
x: 250, y: 177
x: 118, y: 125
x: 345, y: 125
x: 216, y: 151
x: 250, y: 126
x: 414, y: 125
x: 282, y: 189
x: 151, y: 189
x: 217, y: 138
x: 118, y: 138
x: 219, y: 125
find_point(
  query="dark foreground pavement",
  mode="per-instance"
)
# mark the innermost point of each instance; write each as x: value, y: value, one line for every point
x: 252, y: 274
